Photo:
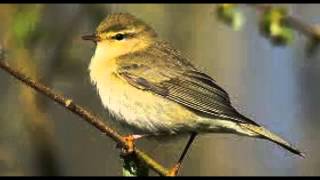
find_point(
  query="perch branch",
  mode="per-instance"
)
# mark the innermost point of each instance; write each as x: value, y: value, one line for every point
x: 92, y: 119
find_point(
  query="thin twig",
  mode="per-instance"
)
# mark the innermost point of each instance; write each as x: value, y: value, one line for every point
x: 92, y: 119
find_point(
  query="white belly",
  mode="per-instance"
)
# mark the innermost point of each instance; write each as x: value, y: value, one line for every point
x: 146, y: 112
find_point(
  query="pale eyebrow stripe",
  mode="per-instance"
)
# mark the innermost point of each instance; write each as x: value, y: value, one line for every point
x: 129, y: 31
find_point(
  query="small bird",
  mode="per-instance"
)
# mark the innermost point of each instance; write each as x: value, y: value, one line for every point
x: 151, y: 87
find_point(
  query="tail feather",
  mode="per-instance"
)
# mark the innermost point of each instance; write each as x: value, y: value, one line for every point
x: 266, y: 134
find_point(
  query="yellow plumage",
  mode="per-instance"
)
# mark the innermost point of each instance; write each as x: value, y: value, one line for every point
x: 150, y: 86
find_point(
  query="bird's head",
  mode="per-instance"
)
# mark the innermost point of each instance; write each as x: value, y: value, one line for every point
x: 122, y: 33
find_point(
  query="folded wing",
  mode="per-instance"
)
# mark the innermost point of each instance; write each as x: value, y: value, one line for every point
x: 179, y: 82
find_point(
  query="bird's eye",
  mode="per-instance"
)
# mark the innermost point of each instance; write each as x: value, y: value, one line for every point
x: 119, y: 37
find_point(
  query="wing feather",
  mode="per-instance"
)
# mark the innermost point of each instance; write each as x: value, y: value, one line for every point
x: 182, y: 84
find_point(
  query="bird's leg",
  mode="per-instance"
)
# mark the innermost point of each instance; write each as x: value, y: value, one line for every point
x: 174, y: 171
x: 130, y: 139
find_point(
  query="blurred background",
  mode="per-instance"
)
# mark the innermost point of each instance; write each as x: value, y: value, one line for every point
x: 277, y: 86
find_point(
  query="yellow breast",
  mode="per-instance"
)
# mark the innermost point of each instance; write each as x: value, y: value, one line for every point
x: 140, y: 109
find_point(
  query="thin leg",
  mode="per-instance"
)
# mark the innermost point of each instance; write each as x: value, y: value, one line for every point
x: 174, y: 171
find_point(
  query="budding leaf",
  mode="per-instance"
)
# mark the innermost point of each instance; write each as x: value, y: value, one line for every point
x: 230, y: 15
x: 273, y: 27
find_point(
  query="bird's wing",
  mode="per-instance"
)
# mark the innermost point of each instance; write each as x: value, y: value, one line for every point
x: 182, y: 84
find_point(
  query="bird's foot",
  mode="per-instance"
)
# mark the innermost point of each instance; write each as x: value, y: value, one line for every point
x: 130, y: 139
x: 174, y: 171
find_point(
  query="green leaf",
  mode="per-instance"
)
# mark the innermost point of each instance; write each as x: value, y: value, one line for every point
x: 132, y: 166
x: 273, y: 28
x: 230, y: 15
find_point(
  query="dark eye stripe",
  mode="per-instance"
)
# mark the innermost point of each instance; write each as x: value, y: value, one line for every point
x: 121, y: 36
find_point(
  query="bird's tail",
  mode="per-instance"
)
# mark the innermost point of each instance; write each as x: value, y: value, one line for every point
x: 266, y: 134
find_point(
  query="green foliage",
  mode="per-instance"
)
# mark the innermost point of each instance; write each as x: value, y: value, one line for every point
x: 25, y: 20
x: 230, y: 15
x: 132, y: 166
x: 272, y: 26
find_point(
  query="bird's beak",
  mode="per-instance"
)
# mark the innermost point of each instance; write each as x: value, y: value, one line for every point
x: 91, y: 37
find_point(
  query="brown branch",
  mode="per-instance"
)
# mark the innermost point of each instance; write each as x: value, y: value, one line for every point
x: 92, y: 119
x: 295, y: 23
